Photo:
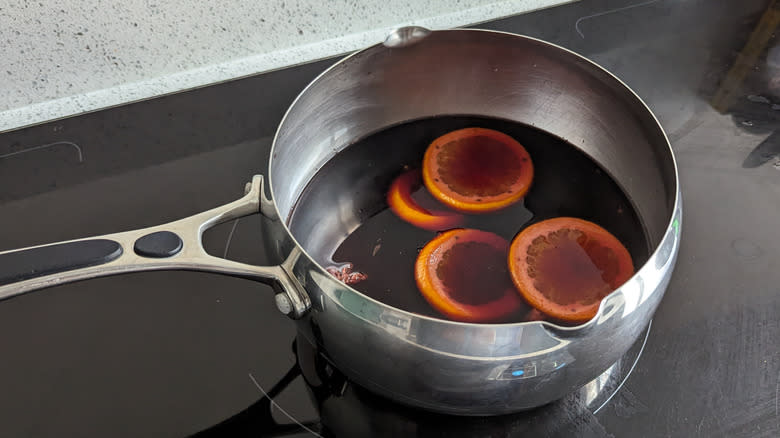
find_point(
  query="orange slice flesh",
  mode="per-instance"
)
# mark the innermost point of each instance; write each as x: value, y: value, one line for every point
x: 399, y: 198
x: 462, y: 273
x: 477, y: 170
x: 565, y: 266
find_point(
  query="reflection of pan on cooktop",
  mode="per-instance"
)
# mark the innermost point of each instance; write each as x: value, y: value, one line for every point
x: 348, y: 410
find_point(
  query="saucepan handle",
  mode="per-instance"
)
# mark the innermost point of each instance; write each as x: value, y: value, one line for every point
x: 173, y: 246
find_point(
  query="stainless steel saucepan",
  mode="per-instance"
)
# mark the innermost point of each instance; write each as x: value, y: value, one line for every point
x: 451, y: 367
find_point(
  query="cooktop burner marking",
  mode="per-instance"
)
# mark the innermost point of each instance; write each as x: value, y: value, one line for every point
x: 229, y: 238
x: 607, y: 12
x: 274, y: 404
x: 48, y: 145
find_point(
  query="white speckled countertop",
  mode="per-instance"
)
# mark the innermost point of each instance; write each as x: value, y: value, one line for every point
x: 65, y: 57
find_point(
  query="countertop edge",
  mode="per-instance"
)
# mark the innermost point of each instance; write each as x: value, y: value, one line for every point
x: 54, y: 109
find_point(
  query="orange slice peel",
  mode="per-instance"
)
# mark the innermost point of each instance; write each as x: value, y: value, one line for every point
x: 462, y: 273
x: 477, y: 170
x: 399, y: 198
x: 565, y: 266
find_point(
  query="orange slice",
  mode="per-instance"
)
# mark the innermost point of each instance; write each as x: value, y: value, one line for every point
x: 477, y: 170
x: 399, y: 198
x: 462, y: 273
x: 565, y: 266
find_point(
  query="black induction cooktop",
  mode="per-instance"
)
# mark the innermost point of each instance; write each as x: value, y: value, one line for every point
x: 182, y: 353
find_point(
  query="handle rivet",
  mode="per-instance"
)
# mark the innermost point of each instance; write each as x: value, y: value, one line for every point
x: 283, y: 303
